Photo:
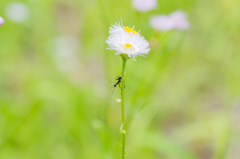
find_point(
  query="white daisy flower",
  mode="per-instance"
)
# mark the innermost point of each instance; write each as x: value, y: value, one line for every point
x: 127, y: 42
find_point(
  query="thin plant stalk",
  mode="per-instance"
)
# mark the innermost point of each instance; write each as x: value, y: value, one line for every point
x: 122, y: 131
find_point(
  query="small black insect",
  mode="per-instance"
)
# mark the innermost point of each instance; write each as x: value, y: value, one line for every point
x: 119, y: 78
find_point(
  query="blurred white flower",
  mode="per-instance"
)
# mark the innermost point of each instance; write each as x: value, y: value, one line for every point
x: 176, y: 20
x: 1, y: 21
x: 127, y: 41
x: 17, y: 11
x: 65, y: 48
x: 66, y: 45
x: 144, y: 5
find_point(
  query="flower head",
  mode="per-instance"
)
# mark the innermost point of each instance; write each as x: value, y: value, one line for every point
x: 127, y: 42
x: 176, y: 20
x: 144, y: 5
x: 1, y: 21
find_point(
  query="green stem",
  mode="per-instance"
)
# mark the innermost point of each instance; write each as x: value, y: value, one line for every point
x: 124, y: 60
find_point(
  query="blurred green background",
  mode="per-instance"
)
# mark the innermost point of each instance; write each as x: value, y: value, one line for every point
x: 56, y: 77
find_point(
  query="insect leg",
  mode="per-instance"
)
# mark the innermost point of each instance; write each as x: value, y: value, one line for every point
x: 113, y: 88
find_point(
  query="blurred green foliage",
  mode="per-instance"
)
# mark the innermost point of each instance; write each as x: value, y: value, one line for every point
x: 182, y: 101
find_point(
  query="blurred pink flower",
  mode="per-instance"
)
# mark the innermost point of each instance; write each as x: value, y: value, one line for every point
x: 144, y: 5
x: 161, y: 22
x: 1, y: 21
x: 176, y: 20
x: 180, y: 20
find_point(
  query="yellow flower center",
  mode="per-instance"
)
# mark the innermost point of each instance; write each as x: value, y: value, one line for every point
x: 128, y: 46
x: 129, y: 30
